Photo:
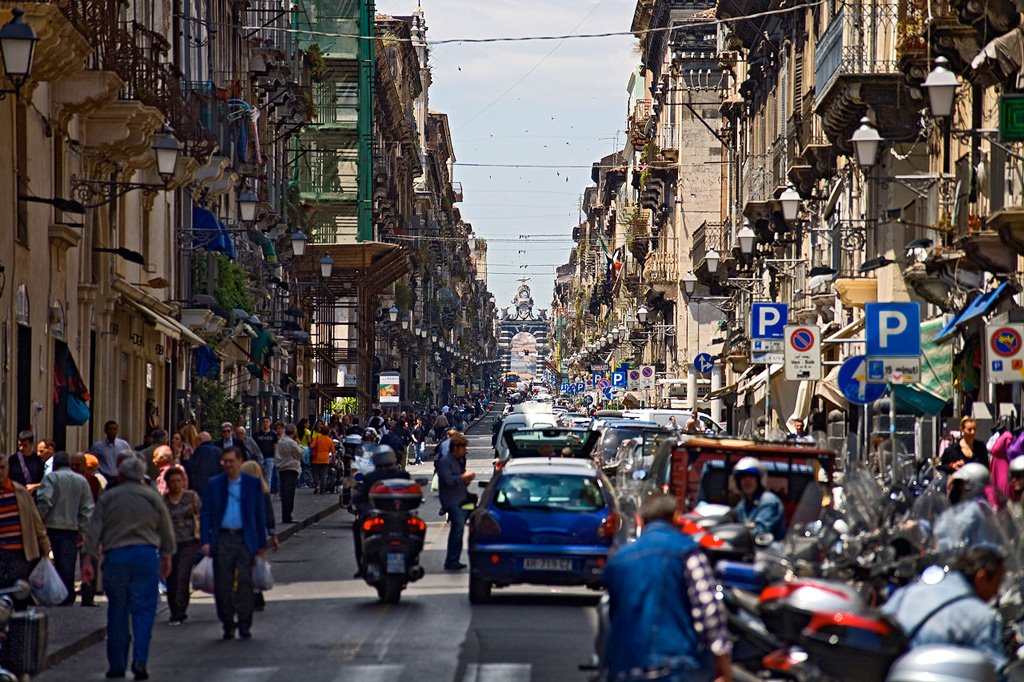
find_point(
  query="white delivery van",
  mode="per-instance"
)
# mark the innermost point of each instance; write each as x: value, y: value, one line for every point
x: 661, y: 417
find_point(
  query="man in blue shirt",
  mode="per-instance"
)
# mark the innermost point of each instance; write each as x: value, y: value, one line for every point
x: 234, y: 533
x: 666, y: 622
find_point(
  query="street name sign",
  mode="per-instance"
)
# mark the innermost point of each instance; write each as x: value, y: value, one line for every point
x: 853, y: 382
x: 1004, y: 353
x: 893, y: 342
x: 767, y: 332
x: 802, y: 352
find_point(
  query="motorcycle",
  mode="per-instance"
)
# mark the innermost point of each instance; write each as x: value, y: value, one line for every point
x: 24, y: 647
x: 357, y: 463
x: 392, y: 536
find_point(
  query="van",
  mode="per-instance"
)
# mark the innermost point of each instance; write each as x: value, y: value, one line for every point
x: 661, y: 417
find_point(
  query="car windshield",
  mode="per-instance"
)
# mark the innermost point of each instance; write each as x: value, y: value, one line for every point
x: 614, y: 437
x: 548, y: 492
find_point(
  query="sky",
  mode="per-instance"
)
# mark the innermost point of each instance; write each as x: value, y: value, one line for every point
x: 558, y: 103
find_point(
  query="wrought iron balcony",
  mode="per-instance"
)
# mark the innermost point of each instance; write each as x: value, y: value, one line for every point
x: 856, y: 65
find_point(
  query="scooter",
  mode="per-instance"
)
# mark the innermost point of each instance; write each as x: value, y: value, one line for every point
x: 393, y: 538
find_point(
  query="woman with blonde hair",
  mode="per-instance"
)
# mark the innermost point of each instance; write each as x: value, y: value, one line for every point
x: 190, y: 435
x: 256, y: 471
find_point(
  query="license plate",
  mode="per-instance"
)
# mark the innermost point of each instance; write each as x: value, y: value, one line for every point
x: 396, y: 563
x: 547, y: 564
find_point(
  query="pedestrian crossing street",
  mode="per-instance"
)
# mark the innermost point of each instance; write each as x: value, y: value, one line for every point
x: 381, y: 672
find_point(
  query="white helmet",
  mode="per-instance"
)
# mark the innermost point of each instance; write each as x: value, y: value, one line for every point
x: 748, y: 465
x: 975, y: 477
x: 1017, y: 465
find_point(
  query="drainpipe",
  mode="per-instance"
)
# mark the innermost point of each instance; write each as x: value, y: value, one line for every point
x: 367, y: 56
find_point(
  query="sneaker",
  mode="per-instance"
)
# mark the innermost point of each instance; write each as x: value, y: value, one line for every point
x: 244, y: 633
x: 139, y: 671
x: 455, y: 567
x: 174, y: 621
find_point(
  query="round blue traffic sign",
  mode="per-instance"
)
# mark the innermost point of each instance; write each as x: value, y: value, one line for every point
x: 802, y: 340
x: 853, y: 382
x: 703, y: 363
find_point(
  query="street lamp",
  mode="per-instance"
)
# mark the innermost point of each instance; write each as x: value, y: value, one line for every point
x: 712, y: 259
x: 406, y: 321
x: 689, y: 283
x: 17, y: 45
x: 865, y: 143
x: 630, y: 320
x: 418, y: 330
x: 393, y: 314
x: 641, y: 314
x: 326, y: 263
x: 247, y: 202
x: 790, y: 200
x: 615, y: 333
x: 433, y: 337
x: 941, y: 86
x: 298, y: 243
x: 167, y: 149
x: 746, y: 239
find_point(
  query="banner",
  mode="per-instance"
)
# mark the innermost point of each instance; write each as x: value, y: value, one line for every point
x: 389, y: 390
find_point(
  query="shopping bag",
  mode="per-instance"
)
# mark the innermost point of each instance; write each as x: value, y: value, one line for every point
x: 202, y: 575
x: 262, y: 577
x: 435, y: 483
x: 47, y: 587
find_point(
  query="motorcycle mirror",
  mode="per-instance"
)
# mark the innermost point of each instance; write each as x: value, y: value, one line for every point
x: 764, y: 539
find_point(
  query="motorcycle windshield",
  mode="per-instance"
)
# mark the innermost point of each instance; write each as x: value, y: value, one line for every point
x: 864, y: 505
x: 971, y: 523
x: 802, y: 546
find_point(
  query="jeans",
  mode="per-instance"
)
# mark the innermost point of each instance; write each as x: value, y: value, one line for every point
x: 130, y: 579
x: 178, y: 580
x: 305, y: 477
x: 65, y: 557
x: 457, y: 519
x: 270, y: 473
x: 320, y: 477
x: 232, y: 581
x: 420, y: 447
x: 288, y: 481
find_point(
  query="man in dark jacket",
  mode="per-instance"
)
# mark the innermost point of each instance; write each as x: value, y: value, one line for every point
x: 684, y: 637
x: 26, y: 466
x: 453, y: 490
x: 204, y: 464
x: 234, y: 533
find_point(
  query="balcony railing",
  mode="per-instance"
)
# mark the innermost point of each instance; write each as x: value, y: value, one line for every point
x: 860, y: 41
x: 706, y: 237
x: 336, y: 102
x: 661, y: 268
x: 329, y: 174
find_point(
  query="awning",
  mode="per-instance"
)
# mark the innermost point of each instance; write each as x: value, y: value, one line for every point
x: 167, y: 325
x: 981, y: 304
x: 731, y: 388
x: 210, y: 234
x: 828, y: 388
x: 930, y: 395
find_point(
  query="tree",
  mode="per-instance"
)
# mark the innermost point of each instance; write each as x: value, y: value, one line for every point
x: 214, y: 405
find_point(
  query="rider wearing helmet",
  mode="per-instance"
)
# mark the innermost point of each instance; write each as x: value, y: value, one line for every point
x: 970, y: 522
x: 385, y: 464
x: 952, y: 609
x: 759, y: 508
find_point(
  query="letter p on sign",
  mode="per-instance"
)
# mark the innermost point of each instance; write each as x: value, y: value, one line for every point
x: 893, y: 329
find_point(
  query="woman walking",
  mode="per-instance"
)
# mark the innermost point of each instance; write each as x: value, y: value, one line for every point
x: 181, y: 450
x: 183, y: 506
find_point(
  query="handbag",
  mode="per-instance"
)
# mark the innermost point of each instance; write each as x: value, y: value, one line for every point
x: 202, y: 575
x: 305, y: 456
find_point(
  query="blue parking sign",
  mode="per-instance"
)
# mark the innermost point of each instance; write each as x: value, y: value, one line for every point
x: 619, y: 378
x: 893, y: 329
x: 768, y: 320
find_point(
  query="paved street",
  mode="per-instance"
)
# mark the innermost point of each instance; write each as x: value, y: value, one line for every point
x: 320, y: 625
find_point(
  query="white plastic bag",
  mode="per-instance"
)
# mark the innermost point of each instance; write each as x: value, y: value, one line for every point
x: 262, y: 576
x: 47, y: 587
x: 202, y: 575
x: 435, y: 483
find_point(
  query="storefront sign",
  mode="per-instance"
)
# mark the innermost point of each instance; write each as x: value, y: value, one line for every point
x: 390, y: 388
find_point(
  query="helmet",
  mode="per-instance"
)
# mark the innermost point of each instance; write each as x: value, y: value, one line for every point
x: 1017, y: 465
x: 748, y: 465
x: 942, y: 663
x: 384, y: 456
x: 975, y: 477
x: 370, y: 433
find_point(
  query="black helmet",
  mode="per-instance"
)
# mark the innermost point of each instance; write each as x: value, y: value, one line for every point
x: 384, y: 457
